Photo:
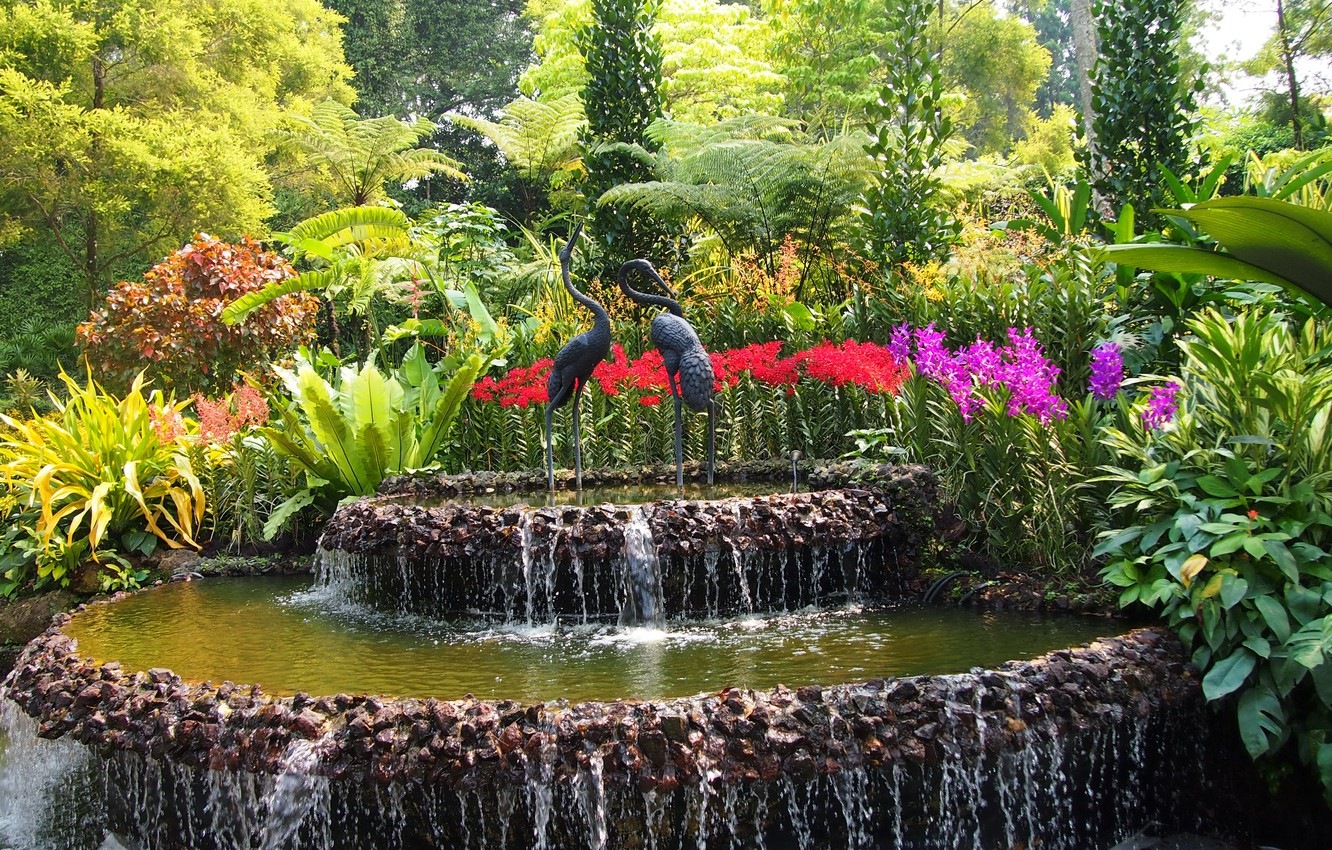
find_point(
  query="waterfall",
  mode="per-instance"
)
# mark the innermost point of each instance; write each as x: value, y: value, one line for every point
x: 642, y: 600
x: 47, y: 794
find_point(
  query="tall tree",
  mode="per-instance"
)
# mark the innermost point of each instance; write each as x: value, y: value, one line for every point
x: 130, y: 124
x: 1053, y: 22
x: 428, y: 57
x: 1303, y: 31
x: 1143, y: 107
x: 361, y: 155
x: 998, y: 64
x: 714, y: 58
x: 902, y: 217
x: 830, y: 52
x: 622, y: 98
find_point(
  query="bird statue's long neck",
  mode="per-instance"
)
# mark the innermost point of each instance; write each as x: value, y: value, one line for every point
x: 600, y: 318
x: 643, y: 298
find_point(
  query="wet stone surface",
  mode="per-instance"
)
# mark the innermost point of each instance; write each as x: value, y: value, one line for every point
x: 732, y: 736
x: 856, y: 534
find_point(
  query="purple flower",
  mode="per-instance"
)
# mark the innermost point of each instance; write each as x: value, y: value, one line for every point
x: 1020, y: 366
x: 1162, y: 404
x: 900, y: 343
x: 1107, y: 370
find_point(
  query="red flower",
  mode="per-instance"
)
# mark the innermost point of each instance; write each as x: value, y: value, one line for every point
x: 650, y: 400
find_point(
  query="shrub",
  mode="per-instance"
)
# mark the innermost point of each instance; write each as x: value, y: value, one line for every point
x: 101, y: 472
x: 1012, y: 455
x: 1222, y: 522
x: 171, y: 321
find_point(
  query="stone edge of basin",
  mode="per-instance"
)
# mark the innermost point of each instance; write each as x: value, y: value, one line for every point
x: 735, y: 735
x: 853, y: 501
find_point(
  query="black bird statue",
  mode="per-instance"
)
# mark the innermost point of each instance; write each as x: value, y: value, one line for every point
x: 574, y: 365
x: 688, y: 366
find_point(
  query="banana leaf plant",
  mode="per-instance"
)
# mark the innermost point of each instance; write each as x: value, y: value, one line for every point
x: 348, y: 435
x: 1258, y: 239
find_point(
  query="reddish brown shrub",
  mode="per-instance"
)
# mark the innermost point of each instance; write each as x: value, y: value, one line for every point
x: 169, y: 321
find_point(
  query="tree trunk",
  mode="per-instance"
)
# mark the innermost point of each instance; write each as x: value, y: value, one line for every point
x: 1084, y: 51
x: 1288, y: 58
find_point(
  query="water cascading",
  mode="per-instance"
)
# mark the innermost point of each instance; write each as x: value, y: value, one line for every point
x: 642, y: 575
x: 1075, y: 749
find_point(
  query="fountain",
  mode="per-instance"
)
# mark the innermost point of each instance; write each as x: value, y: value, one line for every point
x: 1072, y: 748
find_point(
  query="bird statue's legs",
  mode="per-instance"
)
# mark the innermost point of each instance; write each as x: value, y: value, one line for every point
x: 578, y: 443
x: 550, y: 454
x: 712, y: 439
x: 679, y: 446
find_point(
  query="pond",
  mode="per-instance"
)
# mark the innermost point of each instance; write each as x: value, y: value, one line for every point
x: 289, y: 638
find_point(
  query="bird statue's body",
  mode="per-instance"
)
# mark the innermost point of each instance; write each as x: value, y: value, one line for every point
x: 688, y: 366
x: 573, y: 366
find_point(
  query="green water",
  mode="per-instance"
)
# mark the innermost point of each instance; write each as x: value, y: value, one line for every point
x: 287, y: 638
x: 627, y: 495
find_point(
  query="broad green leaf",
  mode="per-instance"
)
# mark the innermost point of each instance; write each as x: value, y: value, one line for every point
x: 312, y: 281
x: 373, y: 446
x: 476, y: 308
x: 1214, y: 486
x: 1311, y: 643
x: 371, y: 397
x: 1285, y: 561
x: 1184, y: 260
x: 285, y: 511
x: 1233, y: 590
x: 446, y: 409
x: 1228, y: 674
x: 1274, y: 614
x: 332, y: 430
x: 1262, y: 721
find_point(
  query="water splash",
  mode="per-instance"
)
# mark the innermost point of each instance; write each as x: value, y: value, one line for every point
x: 297, y: 794
x: 642, y: 596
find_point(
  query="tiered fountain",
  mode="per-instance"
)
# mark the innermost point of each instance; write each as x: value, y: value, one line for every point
x: 638, y: 699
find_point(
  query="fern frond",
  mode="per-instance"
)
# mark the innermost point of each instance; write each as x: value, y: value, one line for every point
x: 349, y: 225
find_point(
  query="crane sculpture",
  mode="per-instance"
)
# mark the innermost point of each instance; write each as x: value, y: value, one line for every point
x: 688, y: 366
x: 573, y: 366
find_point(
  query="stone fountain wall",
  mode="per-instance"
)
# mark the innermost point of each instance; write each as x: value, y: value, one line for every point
x: 856, y: 533
x: 1085, y: 741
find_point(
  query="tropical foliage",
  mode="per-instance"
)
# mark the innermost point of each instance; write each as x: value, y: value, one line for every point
x: 349, y: 433
x: 170, y: 319
x: 100, y: 473
x: 1223, y: 522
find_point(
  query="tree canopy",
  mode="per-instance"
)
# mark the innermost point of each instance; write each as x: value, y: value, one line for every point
x: 130, y: 124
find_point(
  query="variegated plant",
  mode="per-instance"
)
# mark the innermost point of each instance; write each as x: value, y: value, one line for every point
x: 99, y: 467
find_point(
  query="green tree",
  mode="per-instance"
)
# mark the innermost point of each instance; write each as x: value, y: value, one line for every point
x: 757, y: 182
x: 1303, y: 31
x: 1143, y: 107
x: 901, y: 212
x: 428, y: 57
x: 830, y: 54
x: 1052, y: 20
x: 539, y: 140
x: 714, y: 58
x: 998, y: 64
x: 622, y: 97
x: 360, y: 155
x: 127, y: 126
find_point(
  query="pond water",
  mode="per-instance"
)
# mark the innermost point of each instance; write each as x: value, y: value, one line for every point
x: 283, y: 635
x: 627, y: 495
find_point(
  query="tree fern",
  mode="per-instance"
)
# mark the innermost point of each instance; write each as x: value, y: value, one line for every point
x: 538, y: 138
x: 360, y: 155
x: 753, y: 181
